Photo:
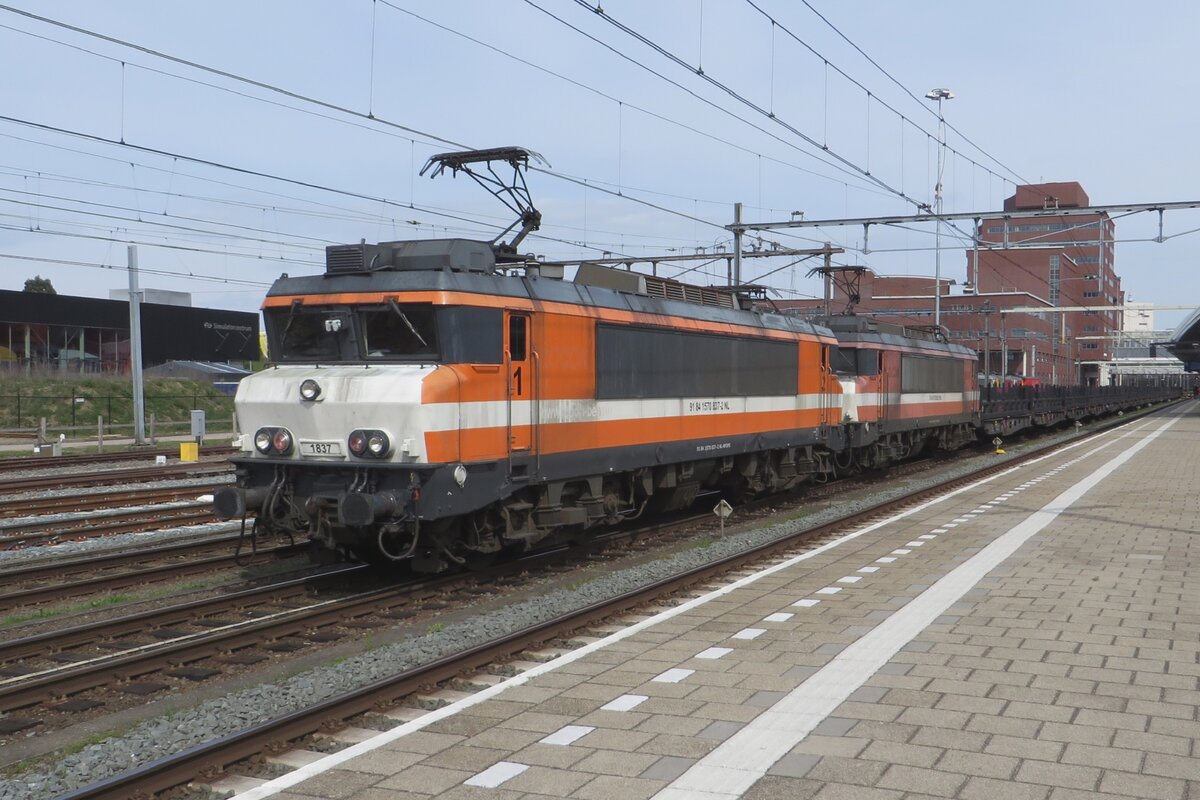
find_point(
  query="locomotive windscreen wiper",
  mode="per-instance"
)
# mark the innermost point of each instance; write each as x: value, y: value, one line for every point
x: 395, y: 307
x: 288, y: 325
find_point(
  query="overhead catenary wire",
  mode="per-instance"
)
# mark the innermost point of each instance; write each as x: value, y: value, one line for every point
x: 142, y: 270
x: 114, y: 239
x: 262, y: 85
x: 847, y: 163
x: 901, y: 86
x: 857, y: 175
x: 342, y: 213
x: 304, y: 98
x: 283, y: 179
x: 589, y: 183
x: 624, y: 103
x: 152, y: 220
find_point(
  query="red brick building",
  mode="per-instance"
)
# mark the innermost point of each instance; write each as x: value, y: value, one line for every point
x: 1043, y: 262
x: 1065, y: 260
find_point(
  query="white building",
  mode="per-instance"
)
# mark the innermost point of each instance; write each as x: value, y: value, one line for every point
x: 1138, y: 317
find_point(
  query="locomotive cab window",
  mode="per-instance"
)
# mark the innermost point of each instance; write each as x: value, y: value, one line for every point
x: 396, y: 331
x: 312, y: 334
x: 517, y: 347
x: 843, y: 360
x: 854, y: 361
x: 399, y: 331
x: 867, y: 361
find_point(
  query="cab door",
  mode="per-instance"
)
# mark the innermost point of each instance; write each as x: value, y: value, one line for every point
x: 518, y: 349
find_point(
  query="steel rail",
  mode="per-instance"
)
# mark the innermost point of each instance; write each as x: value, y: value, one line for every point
x: 108, y: 629
x: 145, y: 519
x: 54, y: 462
x: 193, y: 469
x: 93, y: 501
x: 44, y: 594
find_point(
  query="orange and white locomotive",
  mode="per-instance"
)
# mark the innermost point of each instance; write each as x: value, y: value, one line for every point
x: 424, y: 405
x: 440, y: 402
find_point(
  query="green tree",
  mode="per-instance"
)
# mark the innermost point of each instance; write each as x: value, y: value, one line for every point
x: 39, y: 285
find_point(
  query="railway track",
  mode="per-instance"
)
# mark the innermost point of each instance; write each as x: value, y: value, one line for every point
x: 93, y: 501
x: 197, y: 613
x: 155, y: 651
x: 43, y: 462
x: 65, y: 579
x: 215, y: 756
x: 116, y: 477
x: 53, y: 675
x: 36, y: 532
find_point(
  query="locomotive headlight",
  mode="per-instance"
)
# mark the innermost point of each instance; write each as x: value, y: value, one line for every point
x: 369, y: 443
x: 273, y: 441
x: 310, y: 389
x: 281, y: 441
x: 460, y: 475
x: 378, y: 444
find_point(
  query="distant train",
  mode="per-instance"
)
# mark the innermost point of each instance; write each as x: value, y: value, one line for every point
x: 443, y: 402
x: 425, y: 406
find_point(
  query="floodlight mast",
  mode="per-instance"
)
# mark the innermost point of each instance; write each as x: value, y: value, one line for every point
x: 513, y: 193
x: 939, y: 95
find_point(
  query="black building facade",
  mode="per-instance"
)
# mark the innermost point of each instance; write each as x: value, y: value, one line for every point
x: 92, y: 335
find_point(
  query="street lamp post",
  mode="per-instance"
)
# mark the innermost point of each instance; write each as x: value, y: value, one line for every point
x: 939, y: 95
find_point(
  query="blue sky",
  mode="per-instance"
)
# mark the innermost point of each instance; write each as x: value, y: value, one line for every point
x: 1101, y: 93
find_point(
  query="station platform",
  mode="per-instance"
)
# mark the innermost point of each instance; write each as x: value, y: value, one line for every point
x: 1033, y: 635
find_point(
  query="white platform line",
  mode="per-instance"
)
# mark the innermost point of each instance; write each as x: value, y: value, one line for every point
x: 568, y: 734
x: 748, y: 633
x: 496, y: 774
x: 625, y: 702
x: 736, y: 764
x: 713, y: 653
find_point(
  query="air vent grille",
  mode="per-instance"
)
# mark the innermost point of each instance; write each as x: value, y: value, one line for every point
x: 344, y: 258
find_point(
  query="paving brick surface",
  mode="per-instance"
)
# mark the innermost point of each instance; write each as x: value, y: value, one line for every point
x: 1072, y: 670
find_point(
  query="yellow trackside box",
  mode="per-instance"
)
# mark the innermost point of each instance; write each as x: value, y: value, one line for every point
x: 189, y: 451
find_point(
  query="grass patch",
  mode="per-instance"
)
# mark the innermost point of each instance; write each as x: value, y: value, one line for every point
x: 83, y: 744
x: 46, y: 762
x: 71, y: 404
x: 59, y: 611
x: 108, y: 601
x: 41, y: 613
x: 436, y: 627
